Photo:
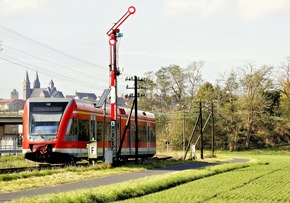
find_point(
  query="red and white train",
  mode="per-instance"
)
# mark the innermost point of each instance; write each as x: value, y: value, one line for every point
x: 58, y: 130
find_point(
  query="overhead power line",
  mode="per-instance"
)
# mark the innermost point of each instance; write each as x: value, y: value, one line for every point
x: 27, y: 39
x: 29, y: 67
x: 28, y: 53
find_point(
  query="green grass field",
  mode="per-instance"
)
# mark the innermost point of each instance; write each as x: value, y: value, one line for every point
x: 257, y: 183
x: 265, y: 178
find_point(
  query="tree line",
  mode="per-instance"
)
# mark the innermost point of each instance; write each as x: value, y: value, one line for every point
x: 251, y: 105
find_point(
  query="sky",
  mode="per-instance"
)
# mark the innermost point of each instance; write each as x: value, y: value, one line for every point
x: 66, y: 41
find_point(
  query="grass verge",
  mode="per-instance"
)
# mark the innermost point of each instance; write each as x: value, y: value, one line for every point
x: 48, y: 178
x: 15, y: 162
x: 136, y: 188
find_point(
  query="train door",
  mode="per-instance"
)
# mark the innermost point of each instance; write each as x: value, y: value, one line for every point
x: 129, y: 141
x: 148, y: 133
x: 93, y: 130
x: 132, y: 139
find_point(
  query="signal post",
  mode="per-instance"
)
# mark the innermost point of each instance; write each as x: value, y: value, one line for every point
x: 114, y: 34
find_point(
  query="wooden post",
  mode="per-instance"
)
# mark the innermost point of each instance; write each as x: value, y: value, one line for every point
x: 201, y: 131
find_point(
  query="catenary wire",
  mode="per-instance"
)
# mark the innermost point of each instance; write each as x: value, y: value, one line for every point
x: 28, y: 42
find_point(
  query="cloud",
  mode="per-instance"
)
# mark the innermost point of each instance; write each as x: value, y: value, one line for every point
x: 16, y: 7
x: 258, y: 9
x: 200, y: 9
x: 207, y: 9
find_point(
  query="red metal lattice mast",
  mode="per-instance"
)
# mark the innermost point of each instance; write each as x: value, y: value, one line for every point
x: 114, y: 33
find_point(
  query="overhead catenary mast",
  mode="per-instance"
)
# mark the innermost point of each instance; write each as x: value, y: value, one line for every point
x: 114, y: 33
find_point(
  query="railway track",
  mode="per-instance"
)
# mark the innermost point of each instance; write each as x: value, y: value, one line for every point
x: 17, y: 170
x: 58, y: 166
x: 39, y: 168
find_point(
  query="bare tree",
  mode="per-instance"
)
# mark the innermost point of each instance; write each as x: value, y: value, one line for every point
x: 150, y: 101
x: 254, y: 83
x: 284, y: 79
x: 229, y: 109
x: 163, y: 86
x: 284, y: 87
x: 177, y: 82
x: 194, y: 77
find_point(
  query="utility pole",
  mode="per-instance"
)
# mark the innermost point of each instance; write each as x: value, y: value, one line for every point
x: 183, y: 130
x: 201, y: 131
x: 136, y: 95
x: 202, y: 128
x: 212, y: 129
x: 114, y: 34
x: 136, y: 119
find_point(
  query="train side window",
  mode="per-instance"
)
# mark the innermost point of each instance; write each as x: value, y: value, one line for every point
x: 152, y: 134
x: 73, y: 127
x: 132, y: 132
x: 148, y: 135
x: 83, y: 128
x: 68, y: 127
x: 100, y: 126
x: 108, y: 131
x: 118, y: 132
x: 142, y: 134
x: 92, y: 130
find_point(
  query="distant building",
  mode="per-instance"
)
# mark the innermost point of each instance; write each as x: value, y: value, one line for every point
x: 37, y: 91
x: 11, y: 104
x: 86, y: 96
x: 92, y: 97
x: 14, y: 94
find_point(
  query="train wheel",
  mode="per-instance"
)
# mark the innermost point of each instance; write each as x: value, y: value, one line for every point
x: 125, y: 160
x: 72, y: 161
x: 144, y: 160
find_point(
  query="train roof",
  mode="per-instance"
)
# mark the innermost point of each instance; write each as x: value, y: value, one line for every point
x: 84, y: 104
x: 37, y: 99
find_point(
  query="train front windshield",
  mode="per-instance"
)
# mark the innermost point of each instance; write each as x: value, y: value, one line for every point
x: 45, y: 117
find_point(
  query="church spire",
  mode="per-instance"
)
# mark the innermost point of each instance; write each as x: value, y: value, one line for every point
x: 36, y: 82
x: 26, y: 78
x: 26, y: 87
x: 51, y: 84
